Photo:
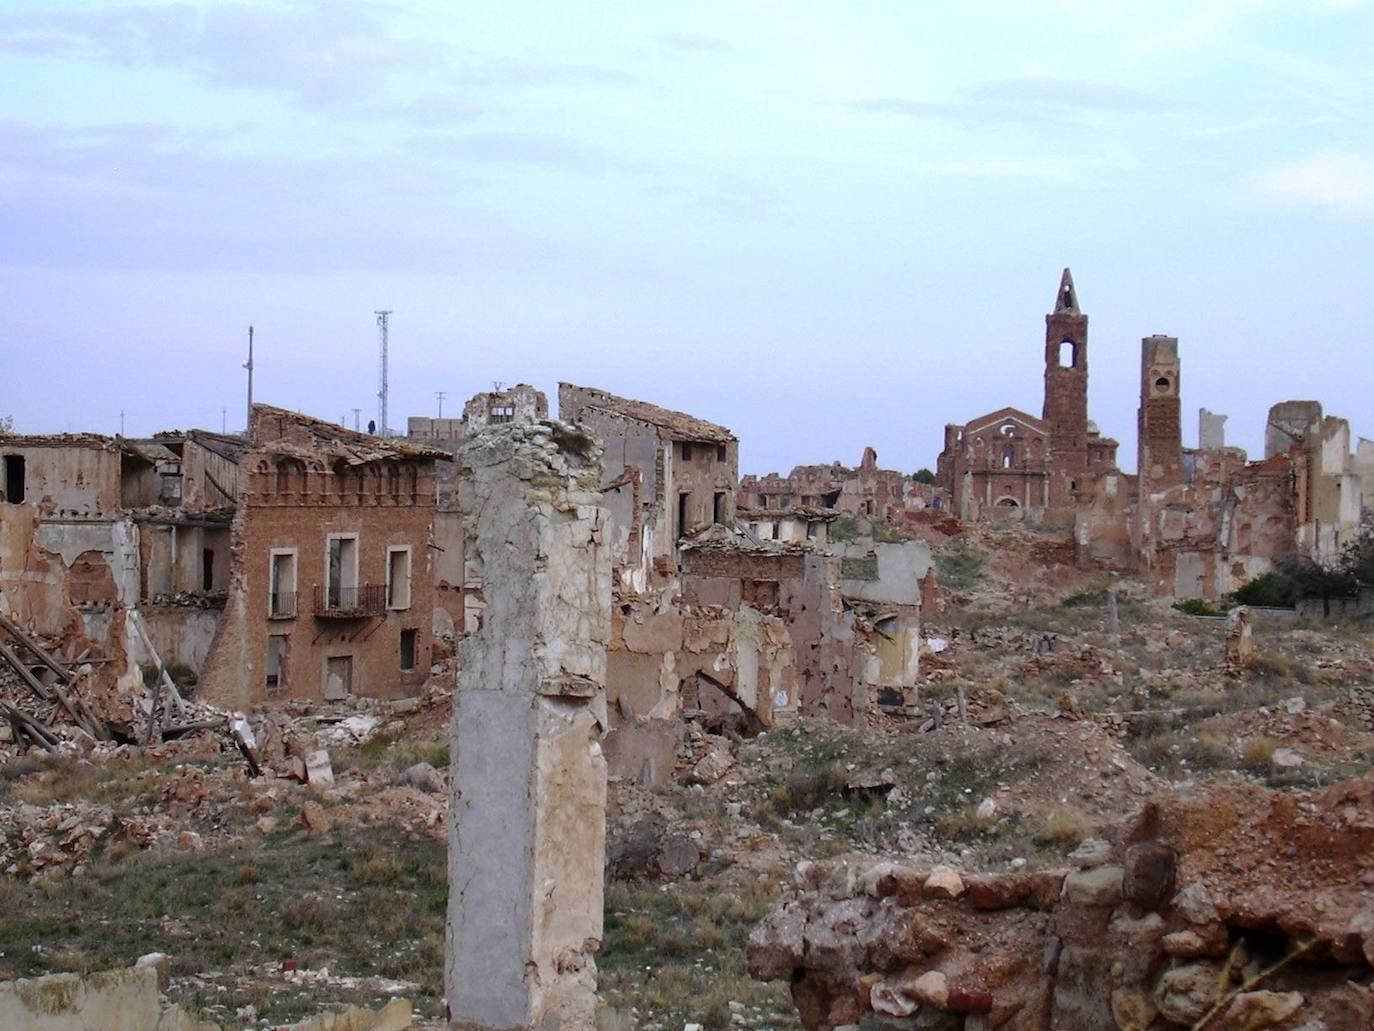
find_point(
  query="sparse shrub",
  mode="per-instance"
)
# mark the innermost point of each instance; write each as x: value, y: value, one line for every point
x: 247, y: 874
x: 1256, y: 752
x: 1086, y: 599
x: 960, y: 570
x: 307, y: 913
x: 964, y: 823
x: 1063, y: 826
x: 844, y: 528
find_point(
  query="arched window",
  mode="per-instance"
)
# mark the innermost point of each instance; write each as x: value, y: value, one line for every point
x: 1008, y: 457
x: 1068, y: 355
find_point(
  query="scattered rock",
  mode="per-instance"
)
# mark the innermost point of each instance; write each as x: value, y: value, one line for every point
x: 313, y: 818
x: 423, y: 777
x: 1098, y: 887
x: 944, y: 882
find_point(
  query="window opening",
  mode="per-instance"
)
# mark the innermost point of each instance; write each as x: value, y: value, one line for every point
x: 282, y: 585
x: 407, y: 650
x: 276, y: 662
x: 14, y: 479
x: 398, y: 578
x: 207, y: 569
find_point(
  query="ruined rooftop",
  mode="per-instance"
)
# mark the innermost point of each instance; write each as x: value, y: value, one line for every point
x: 679, y: 425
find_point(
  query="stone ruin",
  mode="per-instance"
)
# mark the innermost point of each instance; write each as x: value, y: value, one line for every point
x: 1230, y: 908
x: 528, y: 784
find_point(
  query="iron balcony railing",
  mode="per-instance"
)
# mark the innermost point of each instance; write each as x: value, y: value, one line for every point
x: 348, y: 602
x: 282, y: 604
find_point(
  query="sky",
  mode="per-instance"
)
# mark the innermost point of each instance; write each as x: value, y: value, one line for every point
x: 826, y: 225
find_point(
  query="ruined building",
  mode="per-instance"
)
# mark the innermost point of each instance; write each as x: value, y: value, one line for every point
x: 330, y: 587
x: 667, y: 473
x: 1009, y: 464
x: 118, y: 549
x: 1195, y: 522
x: 801, y: 504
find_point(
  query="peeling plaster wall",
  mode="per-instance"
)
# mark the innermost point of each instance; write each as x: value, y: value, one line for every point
x: 527, y: 811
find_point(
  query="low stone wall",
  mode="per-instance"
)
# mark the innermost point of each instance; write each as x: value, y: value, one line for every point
x: 1238, y: 908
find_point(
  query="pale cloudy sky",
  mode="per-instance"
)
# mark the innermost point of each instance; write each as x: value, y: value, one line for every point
x: 824, y: 224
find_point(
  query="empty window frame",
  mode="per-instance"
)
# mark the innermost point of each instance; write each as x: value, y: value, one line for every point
x: 341, y: 570
x: 686, y: 451
x: 407, y: 650
x: 14, y: 479
x: 720, y: 452
x: 398, y: 577
x: 501, y: 413
x: 276, y: 662
x: 718, y: 508
x: 683, y: 503
x: 207, y: 569
x: 281, y: 583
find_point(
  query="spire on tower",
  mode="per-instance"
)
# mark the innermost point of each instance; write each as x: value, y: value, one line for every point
x: 1067, y: 299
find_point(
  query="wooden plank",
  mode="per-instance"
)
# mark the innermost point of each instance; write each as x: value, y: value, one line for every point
x: 15, y: 663
x: 32, y: 645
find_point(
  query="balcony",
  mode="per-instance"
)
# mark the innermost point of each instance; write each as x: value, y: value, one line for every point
x: 350, y: 602
x: 281, y: 605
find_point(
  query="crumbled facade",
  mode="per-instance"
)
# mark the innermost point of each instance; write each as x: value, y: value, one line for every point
x: 810, y: 493
x: 118, y: 549
x: 667, y: 474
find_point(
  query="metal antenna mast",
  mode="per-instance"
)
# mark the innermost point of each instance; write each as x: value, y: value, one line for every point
x: 248, y: 426
x: 441, y: 394
x: 383, y: 320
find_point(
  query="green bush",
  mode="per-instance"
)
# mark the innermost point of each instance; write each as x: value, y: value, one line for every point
x: 1270, y: 590
x: 923, y: 476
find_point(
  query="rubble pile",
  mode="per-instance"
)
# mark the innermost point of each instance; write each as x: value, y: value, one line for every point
x: 1226, y: 907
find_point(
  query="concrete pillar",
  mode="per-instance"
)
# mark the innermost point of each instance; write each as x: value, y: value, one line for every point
x: 527, y: 828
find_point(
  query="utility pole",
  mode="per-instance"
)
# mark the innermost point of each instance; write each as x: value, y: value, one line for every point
x: 357, y: 415
x: 248, y: 425
x: 383, y: 321
x: 121, y: 422
x: 441, y: 394
x: 223, y: 420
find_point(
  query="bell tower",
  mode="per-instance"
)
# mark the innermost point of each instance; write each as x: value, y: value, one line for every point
x: 1066, y: 395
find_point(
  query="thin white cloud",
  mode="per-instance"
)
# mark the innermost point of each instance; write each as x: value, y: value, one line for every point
x: 1340, y: 182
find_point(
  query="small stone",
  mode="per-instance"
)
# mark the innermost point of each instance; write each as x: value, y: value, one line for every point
x: 1098, y: 887
x: 1285, y: 760
x: 889, y: 998
x: 1261, y: 1009
x: 423, y: 777
x: 1196, y: 904
x: 678, y: 855
x: 319, y: 772
x: 162, y: 963
x: 1295, y: 705
x: 930, y: 989
x: 943, y: 882
x: 1206, y: 940
x: 712, y: 766
x: 987, y: 808
x: 1092, y: 852
x: 1149, y: 874
x: 266, y: 824
x: 313, y: 818
x: 1186, y: 993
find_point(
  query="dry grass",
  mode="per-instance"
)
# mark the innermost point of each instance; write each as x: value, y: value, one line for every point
x: 1063, y: 825
x: 1256, y: 753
